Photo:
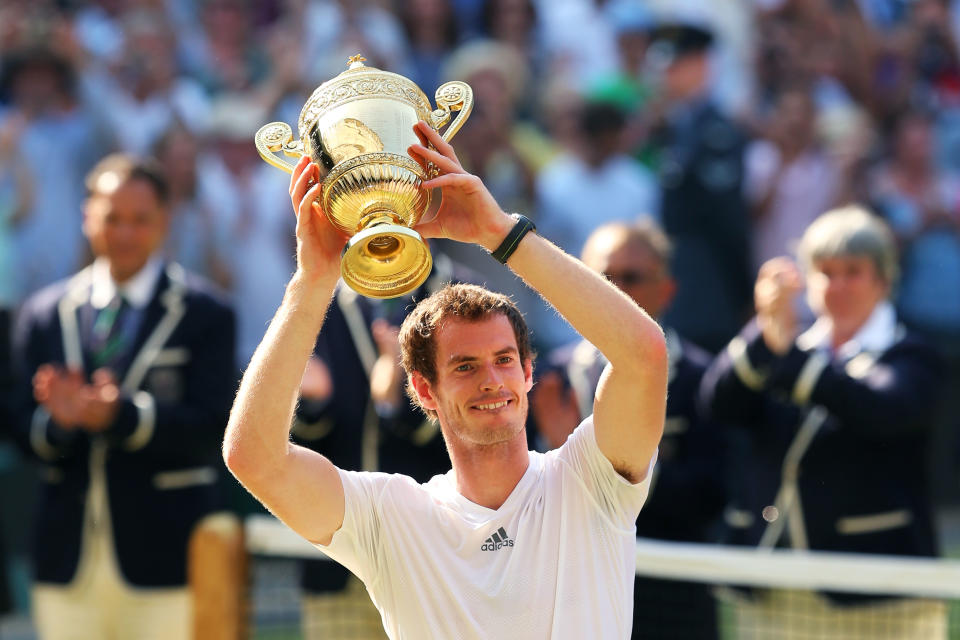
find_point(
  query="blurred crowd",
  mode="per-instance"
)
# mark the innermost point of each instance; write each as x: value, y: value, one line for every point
x: 836, y: 100
x: 731, y: 124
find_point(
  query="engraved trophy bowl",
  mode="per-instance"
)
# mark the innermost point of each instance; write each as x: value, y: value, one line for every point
x: 356, y: 127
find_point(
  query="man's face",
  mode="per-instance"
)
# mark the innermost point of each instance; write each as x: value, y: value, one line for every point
x: 796, y: 115
x: 125, y: 223
x: 480, y: 394
x: 635, y: 270
x: 685, y: 76
x: 846, y: 289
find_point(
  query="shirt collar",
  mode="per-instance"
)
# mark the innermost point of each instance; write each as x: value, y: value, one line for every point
x: 878, y: 333
x: 137, y: 291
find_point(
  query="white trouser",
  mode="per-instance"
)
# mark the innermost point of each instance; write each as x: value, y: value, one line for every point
x: 100, y: 605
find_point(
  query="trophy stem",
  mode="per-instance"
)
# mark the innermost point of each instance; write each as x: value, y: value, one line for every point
x: 385, y: 260
x: 381, y: 246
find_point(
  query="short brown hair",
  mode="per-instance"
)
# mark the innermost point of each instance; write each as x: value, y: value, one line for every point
x: 126, y: 167
x: 418, y: 347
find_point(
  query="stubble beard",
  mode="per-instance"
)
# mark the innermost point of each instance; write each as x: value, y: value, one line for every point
x: 484, y: 437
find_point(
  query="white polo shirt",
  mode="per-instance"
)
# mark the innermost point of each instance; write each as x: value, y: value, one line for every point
x: 555, y: 561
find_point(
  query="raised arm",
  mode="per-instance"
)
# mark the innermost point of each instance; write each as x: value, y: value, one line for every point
x: 298, y: 485
x: 631, y: 399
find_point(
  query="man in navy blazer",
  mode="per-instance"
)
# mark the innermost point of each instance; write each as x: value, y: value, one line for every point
x: 126, y: 375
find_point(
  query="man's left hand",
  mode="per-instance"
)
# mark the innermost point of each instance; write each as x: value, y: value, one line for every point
x: 468, y: 212
x: 101, y: 402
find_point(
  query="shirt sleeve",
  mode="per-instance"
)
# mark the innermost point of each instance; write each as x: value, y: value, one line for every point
x: 356, y: 542
x: 617, y: 497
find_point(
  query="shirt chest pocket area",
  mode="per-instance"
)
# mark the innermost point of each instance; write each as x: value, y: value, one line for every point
x: 166, y: 378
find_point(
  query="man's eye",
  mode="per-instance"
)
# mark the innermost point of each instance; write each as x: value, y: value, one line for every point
x: 505, y: 360
x: 464, y: 367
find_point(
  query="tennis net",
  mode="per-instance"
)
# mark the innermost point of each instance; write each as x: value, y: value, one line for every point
x: 699, y: 591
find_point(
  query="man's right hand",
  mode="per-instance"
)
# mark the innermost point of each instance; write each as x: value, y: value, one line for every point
x: 555, y: 409
x: 59, y: 391
x: 468, y: 212
x: 779, y: 282
x: 319, y: 243
x: 317, y: 383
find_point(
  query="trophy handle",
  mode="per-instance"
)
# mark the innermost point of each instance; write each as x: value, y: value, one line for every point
x: 452, y: 96
x: 273, y: 138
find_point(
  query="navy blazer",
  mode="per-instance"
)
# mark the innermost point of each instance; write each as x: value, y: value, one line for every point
x: 704, y: 213
x: 160, y: 459
x: 837, y: 447
x: 687, y: 489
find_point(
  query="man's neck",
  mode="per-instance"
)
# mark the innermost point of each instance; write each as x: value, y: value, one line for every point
x: 487, y: 474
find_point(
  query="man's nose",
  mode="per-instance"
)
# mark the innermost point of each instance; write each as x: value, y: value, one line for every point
x: 492, y: 379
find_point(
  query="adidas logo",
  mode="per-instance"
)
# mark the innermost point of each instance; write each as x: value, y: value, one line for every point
x: 497, y: 541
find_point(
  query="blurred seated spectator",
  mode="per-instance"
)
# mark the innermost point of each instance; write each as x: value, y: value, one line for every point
x: 334, y: 30
x: 789, y: 179
x: 55, y: 136
x: 140, y: 95
x: 16, y: 202
x: 580, y: 191
x: 249, y: 204
x: 922, y: 204
x: 223, y: 51
x: 432, y: 32
x: 193, y: 237
x: 575, y: 37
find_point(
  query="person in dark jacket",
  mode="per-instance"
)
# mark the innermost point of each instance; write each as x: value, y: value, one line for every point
x: 686, y: 495
x: 837, y: 417
x: 126, y: 376
x: 701, y: 178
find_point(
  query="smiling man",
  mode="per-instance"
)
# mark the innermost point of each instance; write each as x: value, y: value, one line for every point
x: 509, y: 542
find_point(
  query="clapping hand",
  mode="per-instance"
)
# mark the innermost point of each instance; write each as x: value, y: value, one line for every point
x: 316, y: 383
x: 555, y: 409
x: 387, y: 377
x: 72, y: 402
x: 779, y: 282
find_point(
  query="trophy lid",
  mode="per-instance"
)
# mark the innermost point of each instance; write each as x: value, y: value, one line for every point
x: 357, y: 82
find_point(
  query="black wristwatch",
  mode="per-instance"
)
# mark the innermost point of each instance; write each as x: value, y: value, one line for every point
x: 524, y: 224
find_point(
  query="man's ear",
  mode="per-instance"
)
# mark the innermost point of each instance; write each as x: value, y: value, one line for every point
x: 424, y: 393
x: 528, y: 374
x: 85, y: 223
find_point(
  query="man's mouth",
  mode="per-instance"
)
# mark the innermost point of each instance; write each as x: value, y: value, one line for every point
x: 491, y: 406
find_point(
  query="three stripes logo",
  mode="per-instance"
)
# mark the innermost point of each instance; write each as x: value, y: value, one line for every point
x: 497, y: 541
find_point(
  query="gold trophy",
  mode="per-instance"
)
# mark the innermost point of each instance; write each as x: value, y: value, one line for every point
x: 356, y: 128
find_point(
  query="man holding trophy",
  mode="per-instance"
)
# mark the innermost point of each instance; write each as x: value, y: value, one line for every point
x: 509, y: 542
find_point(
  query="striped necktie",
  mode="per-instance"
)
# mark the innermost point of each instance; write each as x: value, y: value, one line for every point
x: 110, y: 335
